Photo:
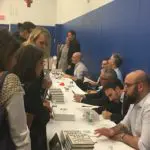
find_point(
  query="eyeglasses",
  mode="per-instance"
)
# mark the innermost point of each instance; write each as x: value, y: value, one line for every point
x: 127, y: 85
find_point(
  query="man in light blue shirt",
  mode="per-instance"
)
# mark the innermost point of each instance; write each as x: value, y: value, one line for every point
x: 134, y: 128
x: 115, y: 62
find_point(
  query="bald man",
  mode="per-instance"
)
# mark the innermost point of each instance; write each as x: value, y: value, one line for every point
x: 80, y: 69
x: 134, y: 128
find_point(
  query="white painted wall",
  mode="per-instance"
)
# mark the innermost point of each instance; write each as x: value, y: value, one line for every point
x: 70, y: 9
x: 41, y: 12
x: 47, y: 12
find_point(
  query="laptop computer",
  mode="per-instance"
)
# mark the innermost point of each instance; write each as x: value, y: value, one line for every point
x: 55, y: 143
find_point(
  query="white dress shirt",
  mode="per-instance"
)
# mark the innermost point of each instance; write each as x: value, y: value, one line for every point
x: 119, y: 74
x: 80, y: 70
x: 137, y: 121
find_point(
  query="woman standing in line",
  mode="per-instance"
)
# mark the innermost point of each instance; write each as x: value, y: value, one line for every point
x: 14, y: 133
x: 29, y: 67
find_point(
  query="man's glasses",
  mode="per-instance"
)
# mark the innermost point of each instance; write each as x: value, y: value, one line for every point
x: 127, y: 85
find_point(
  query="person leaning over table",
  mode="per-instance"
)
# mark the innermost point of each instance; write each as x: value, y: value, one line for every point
x: 40, y: 37
x: 14, y: 132
x: 29, y: 67
x: 99, y: 98
x: 118, y: 106
x: 134, y: 128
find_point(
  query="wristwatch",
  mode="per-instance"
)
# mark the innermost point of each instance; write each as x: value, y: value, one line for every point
x: 122, y: 136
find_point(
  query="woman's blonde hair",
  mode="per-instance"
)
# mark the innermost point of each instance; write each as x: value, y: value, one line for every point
x: 34, y: 36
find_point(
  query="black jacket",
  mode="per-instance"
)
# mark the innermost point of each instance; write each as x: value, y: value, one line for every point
x: 73, y: 47
x: 118, y: 110
x: 98, y: 99
x: 34, y: 105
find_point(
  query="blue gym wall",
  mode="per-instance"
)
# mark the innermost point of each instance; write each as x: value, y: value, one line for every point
x: 121, y: 26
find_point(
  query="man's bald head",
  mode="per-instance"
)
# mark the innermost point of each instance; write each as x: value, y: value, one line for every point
x: 137, y: 76
x: 76, y: 57
x: 77, y: 54
x: 136, y: 85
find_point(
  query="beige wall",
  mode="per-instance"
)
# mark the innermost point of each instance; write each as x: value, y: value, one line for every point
x: 42, y: 12
x: 70, y: 9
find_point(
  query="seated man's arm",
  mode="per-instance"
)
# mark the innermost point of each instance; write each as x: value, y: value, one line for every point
x: 118, y: 129
x: 144, y: 141
x: 99, y: 101
x: 69, y: 76
x: 128, y: 139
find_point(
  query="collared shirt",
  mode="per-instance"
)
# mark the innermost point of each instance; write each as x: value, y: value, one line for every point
x: 119, y: 75
x: 137, y: 121
x: 80, y: 70
x: 99, y: 88
x: 122, y: 97
x: 121, y: 100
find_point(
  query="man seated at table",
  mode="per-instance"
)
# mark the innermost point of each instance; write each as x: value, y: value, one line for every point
x: 115, y: 62
x: 118, y: 106
x: 99, y: 98
x: 80, y: 69
x: 134, y: 128
x: 90, y: 85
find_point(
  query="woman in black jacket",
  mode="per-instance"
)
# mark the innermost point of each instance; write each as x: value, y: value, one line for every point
x: 29, y: 67
x: 74, y: 46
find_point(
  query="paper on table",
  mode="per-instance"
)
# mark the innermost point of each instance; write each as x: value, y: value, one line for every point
x: 78, y: 91
x: 88, y: 80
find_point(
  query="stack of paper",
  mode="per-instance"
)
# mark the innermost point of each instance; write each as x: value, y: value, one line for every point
x: 63, y: 114
x: 76, y: 140
x: 57, y: 95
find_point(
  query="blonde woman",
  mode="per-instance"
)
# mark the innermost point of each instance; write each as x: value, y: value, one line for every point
x: 41, y: 38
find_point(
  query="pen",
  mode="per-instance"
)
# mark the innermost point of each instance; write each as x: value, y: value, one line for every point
x: 86, y: 106
x: 73, y: 92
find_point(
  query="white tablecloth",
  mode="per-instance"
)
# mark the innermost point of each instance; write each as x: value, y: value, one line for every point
x: 102, y: 143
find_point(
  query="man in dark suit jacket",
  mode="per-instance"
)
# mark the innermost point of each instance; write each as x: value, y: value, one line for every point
x: 119, y: 104
x: 99, y: 98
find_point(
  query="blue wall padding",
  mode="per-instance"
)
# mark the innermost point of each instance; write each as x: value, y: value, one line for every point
x: 121, y: 26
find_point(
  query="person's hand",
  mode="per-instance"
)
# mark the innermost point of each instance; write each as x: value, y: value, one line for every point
x: 46, y: 104
x: 46, y: 84
x: 117, y: 137
x: 66, y: 76
x: 91, y: 91
x: 78, y: 98
x: 69, y: 66
x: 106, y: 114
x: 93, y: 83
x: 108, y: 132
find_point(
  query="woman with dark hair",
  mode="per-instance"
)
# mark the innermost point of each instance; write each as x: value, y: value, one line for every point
x: 29, y: 68
x: 74, y: 46
x: 14, y: 134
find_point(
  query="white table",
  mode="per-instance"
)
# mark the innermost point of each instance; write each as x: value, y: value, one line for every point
x: 53, y: 126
